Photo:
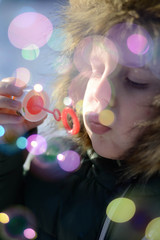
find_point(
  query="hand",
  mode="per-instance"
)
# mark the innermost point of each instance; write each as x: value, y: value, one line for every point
x: 14, y: 124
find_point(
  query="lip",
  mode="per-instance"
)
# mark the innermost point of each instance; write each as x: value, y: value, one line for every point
x: 95, y: 125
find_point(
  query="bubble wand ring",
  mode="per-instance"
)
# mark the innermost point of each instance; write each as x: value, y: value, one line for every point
x: 76, y: 124
x: 57, y: 118
x: 63, y: 117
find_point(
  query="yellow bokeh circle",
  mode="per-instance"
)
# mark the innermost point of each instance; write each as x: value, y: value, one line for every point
x: 153, y: 229
x: 4, y: 218
x: 79, y: 106
x: 106, y: 117
x: 121, y: 210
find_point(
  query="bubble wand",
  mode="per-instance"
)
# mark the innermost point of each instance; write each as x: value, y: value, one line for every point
x: 76, y: 125
x: 35, y: 106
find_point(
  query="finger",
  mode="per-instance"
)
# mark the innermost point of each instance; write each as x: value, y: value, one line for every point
x: 7, y: 88
x: 29, y: 125
x: 6, y: 102
x: 40, y: 122
x: 10, y: 119
x: 16, y: 81
x: 9, y: 80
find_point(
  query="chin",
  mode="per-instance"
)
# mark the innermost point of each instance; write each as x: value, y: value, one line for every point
x: 110, y: 156
x: 101, y: 151
x: 106, y: 149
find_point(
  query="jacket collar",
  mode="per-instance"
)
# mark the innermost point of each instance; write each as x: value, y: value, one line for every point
x: 108, y: 172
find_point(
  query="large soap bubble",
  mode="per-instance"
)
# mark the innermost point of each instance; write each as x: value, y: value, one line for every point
x: 95, y: 47
x: 134, y: 44
x: 36, y: 144
x: 30, y: 28
x: 18, y: 221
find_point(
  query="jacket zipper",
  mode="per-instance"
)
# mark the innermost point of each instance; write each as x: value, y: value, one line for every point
x: 107, y: 220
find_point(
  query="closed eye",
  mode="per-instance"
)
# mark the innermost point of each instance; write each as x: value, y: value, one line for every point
x: 136, y: 85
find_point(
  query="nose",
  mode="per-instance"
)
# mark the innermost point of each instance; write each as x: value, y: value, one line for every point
x: 102, y: 91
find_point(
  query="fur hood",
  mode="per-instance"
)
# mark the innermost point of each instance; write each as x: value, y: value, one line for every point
x: 88, y: 17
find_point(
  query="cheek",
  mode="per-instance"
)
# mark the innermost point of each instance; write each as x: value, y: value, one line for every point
x: 137, y: 106
x: 137, y: 114
x: 151, y: 113
x: 145, y: 110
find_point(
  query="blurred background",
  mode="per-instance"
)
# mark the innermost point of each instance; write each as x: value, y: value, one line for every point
x: 32, y: 51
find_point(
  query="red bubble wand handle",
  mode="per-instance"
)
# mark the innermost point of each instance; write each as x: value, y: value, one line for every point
x: 57, y: 118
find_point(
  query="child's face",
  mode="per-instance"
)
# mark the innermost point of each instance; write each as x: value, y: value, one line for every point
x: 134, y: 90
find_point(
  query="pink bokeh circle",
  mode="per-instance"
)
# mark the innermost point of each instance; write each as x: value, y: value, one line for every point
x: 30, y: 28
x: 138, y: 44
x: 36, y: 144
x: 69, y: 160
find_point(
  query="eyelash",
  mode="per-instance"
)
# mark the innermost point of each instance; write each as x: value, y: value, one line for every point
x: 136, y: 85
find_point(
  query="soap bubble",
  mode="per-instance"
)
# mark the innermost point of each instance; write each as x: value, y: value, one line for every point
x: 30, y: 28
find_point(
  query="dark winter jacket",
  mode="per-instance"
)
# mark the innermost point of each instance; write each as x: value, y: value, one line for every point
x: 72, y: 206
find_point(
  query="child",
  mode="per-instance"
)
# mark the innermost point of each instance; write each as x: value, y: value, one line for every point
x: 114, y: 192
